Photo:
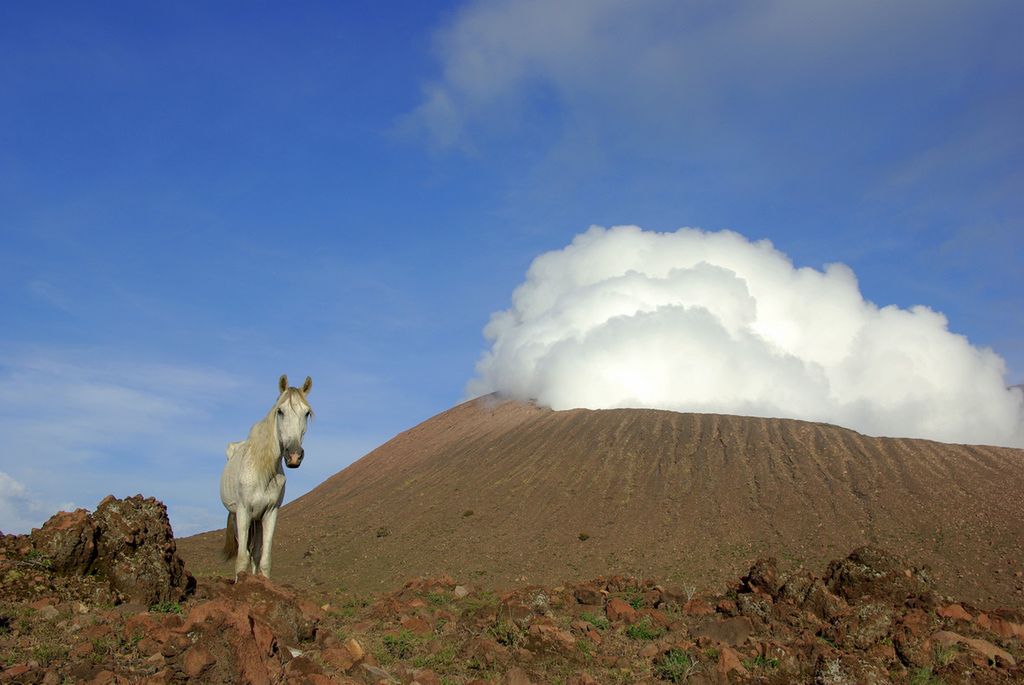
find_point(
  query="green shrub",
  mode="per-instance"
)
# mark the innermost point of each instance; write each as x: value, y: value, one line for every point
x: 644, y: 630
x: 166, y: 608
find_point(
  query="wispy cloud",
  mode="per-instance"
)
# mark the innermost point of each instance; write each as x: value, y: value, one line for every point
x: 22, y: 509
x: 83, y: 423
x: 672, y: 64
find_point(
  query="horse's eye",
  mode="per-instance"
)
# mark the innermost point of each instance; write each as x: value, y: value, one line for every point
x: 280, y: 412
x: 307, y: 414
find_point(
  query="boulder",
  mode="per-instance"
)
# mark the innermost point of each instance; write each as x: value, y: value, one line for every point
x: 763, y: 576
x: 294, y: 619
x: 732, y: 631
x: 871, y: 572
x: 126, y: 543
x: 619, y: 610
x: 135, y: 551
x: 67, y: 542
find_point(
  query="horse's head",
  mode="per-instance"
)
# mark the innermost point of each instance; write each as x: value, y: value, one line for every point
x: 293, y: 412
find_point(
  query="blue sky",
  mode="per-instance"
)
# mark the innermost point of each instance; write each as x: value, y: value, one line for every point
x: 197, y: 197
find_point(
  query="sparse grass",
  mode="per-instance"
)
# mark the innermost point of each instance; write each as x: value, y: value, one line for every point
x: 350, y: 606
x: 102, y: 647
x: 443, y: 659
x: 675, y: 666
x: 944, y: 656
x: 924, y: 676
x: 400, y: 645
x: 37, y: 559
x: 760, y: 662
x: 635, y: 599
x: 47, y: 653
x: 477, y: 601
x: 166, y: 608
x: 506, y: 633
x: 596, y: 620
x: 436, y: 599
x: 644, y: 629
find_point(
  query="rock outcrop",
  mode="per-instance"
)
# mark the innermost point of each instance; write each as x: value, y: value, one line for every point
x: 128, y: 543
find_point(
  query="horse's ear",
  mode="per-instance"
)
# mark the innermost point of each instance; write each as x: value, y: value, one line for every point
x: 282, y: 383
x: 307, y: 386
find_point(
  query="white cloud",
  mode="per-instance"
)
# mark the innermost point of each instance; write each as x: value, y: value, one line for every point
x: 711, y: 322
x: 87, y: 423
x: 671, y: 62
x: 22, y: 509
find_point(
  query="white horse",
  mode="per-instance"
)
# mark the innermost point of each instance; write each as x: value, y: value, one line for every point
x: 252, y: 484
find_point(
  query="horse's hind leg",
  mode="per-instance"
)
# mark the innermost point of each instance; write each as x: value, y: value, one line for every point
x: 242, y: 559
x: 255, y: 544
x: 269, y: 522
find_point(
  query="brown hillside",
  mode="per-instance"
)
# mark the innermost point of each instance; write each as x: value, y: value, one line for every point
x: 507, y: 492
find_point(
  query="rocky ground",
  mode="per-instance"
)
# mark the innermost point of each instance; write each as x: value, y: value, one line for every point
x: 104, y: 598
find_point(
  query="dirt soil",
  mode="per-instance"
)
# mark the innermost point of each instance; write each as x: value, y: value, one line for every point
x: 505, y: 494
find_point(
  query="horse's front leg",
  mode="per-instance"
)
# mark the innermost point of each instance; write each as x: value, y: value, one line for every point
x: 269, y: 521
x: 242, y: 520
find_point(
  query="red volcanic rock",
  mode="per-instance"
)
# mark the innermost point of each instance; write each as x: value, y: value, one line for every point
x: 728, y: 662
x: 551, y: 639
x: 68, y: 541
x: 732, y: 631
x: 196, y: 661
x: 1007, y: 629
x: 985, y: 652
x: 955, y: 612
x: 589, y: 593
x: 699, y: 607
x: 822, y: 603
x: 416, y: 625
x: 426, y: 677
x: 619, y: 610
x: 487, y: 651
x: 293, y: 618
x: 517, y: 676
x: 338, y: 658
x: 243, y: 645
x: 764, y: 577
x: 126, y: 543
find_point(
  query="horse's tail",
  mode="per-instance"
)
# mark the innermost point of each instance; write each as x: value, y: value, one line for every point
x: 230, y: 539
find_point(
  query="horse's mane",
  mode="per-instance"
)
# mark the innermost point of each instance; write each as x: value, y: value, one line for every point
x: 263, y: 444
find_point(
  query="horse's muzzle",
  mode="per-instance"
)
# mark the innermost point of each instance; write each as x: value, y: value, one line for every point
x: 293, y: 459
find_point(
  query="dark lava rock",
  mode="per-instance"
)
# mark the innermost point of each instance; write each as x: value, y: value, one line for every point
x: 136, y: 551
x: 871, y: 572
x: 127, y: 542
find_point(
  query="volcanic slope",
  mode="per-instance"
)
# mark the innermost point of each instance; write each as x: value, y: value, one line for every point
x: 502, y: 493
